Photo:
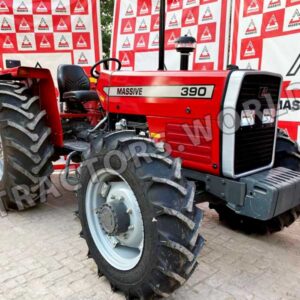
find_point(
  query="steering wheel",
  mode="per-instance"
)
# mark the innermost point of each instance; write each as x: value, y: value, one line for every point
x: 96, y: 74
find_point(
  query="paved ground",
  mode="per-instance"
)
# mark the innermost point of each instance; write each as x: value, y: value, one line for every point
x: 42, y: 257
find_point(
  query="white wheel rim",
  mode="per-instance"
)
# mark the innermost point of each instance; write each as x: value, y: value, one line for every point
x: 122, y: 251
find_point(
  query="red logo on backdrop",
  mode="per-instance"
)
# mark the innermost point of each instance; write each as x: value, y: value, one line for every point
x: 41, y: 7
x: 274, y: 3
x: 80, y: 25
x: 23, y: 23
x: 79, y: 7
x: 9, y: 42
x: 155, y: 23
x: 81, y: 40
x: 207, y: 32
x: 171, y: 36
x: 253, y: 7
x: 251, y: 48
x: 61, y: 23
x: 190, y: 16
x: 129, y: 11
x: 5, y: 6
x: 174, y: 5
x: 141, y: 41
x: 45, y: 42
x: 273, y: 23
x: 128, y: 25
x: 26, y: 43
x: 126, y: 58
x: 82, y: 60
x: 43, y: 25
x: 144, y: 7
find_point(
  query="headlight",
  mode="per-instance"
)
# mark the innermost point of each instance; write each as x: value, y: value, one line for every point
x: 247, y: 117
x: 269, y: 115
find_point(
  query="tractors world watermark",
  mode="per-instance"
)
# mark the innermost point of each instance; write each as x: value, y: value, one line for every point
x: 198, y: 132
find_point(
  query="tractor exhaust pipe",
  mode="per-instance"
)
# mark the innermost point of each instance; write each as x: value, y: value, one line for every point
x: 162, y: 26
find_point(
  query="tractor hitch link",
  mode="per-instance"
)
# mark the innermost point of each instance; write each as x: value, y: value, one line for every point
x: 71, y: 179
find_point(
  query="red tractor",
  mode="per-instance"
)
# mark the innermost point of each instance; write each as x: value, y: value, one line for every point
x: 151, y: 145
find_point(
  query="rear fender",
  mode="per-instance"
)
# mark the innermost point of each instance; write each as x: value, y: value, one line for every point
x: 47, y: 95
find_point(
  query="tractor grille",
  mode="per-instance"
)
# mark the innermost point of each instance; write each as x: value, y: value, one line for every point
x: 254, y: 144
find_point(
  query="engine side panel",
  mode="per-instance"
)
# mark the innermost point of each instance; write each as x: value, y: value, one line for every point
x: 182, y: 109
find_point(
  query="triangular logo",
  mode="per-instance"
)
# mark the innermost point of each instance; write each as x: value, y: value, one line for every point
x: 156, y: 24
x: 175, y: 4
x: 3, y: 7
x: 143, y: 26
x: 173, y: 22
x: 82, y: 59
x: 5, y: 25
x: 81, y: 43
x: 274, y: 3
x: 26, y: 43
x: 251, y: 28
x: 126, y: 43
x: 141, y: 43
x: 207, y: 15
x: 61, y: 8
x: 62, y: 25
x: 157, y: 6
x: 250, y: 51
x: 171, y: 40
x: 144, y: 9
x: 45, y: 43
x: 129, y: 11
x: 125, y: 60
x: 249, y: 67
x: 43, y: 25
x: 38, y: 65
x: 22, y: 7
x: 63, y: 43
x: 295, y: 21
x: 253, y: 7
x: 273, y: 24
x: 155, y: 41
x: 190, y: 19
x: 24, y: 26
x: 204, y: 54
x: 128, y: 27
x: 80, y: 25
x: 206, y: 35
x: 79, y: 8
x: 42, y: 8
x: 7, y: 44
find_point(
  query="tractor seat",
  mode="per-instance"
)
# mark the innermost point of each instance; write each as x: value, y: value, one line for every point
x: 74, y: 84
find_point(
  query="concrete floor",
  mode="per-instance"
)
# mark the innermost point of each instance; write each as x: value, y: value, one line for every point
x: 42, y: 257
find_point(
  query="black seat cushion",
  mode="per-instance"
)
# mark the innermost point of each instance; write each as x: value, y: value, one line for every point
x: 81, y: 96
x: 71, y: 78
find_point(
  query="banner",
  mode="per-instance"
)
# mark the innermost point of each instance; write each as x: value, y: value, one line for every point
x: 46, y: 33
x: 136, y: 32
x: 266, y: 36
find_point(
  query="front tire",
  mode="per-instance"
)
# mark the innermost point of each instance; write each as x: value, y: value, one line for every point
x: 170, y: 239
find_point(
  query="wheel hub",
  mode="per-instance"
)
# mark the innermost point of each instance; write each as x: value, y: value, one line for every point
x: 113, y: 218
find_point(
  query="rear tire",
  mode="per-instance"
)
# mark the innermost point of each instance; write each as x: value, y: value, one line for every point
x: 26, y: 147
x: 288, y: 156
x: 170, y: 220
